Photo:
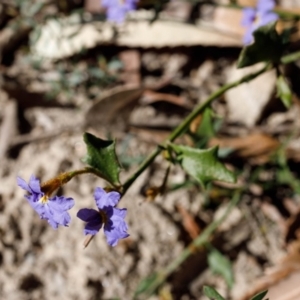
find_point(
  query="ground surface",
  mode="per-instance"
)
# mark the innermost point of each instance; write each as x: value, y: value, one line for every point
x: 137, y: 89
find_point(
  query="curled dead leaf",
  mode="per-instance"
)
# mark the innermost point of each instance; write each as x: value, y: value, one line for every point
x: 107, y: 109
x: 281, y: 281
x: 188, y: 222
x: 257, y: 146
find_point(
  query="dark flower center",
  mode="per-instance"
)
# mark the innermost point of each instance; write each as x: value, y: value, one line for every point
x: 103, y: 216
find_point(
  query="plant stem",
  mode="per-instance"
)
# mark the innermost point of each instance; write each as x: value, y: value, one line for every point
x: 199, y: 109
x: 87, y: 170
x: 203, y: 238
x: 186, y: 122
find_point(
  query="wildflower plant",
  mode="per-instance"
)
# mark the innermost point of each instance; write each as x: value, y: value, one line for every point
x: 262, y: 44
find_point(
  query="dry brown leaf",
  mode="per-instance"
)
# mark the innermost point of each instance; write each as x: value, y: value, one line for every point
x: 8, y: 128
x: 152, y: 136
x: 131, y: 60
x: 156, y: 137
x: 165, y: 112
x: 228, y: 20
x: 109, y: 107
x: 150, y: 97
x: 256, y: 145
x: 247, y: 2
x: 291, y: 206
x: 188, y: 221
x: 196, y: 123
x: 61, y: 38
x: 273, y: 214
x: 93, y: 6
x: 247, y: 101
x: 292, y: 226
x: 178, y: 9
x: 293, y: 153
x: 281, y: 281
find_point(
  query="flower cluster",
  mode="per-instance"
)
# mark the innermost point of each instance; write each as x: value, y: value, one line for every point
x: 254, y: 18
x: 55, y: 210
x: 118, y: 9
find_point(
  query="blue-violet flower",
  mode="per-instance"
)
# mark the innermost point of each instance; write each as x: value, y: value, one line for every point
x: 54, y: 209
x: 115, y: 227
x: 254, y: 18
x: 117, y: 9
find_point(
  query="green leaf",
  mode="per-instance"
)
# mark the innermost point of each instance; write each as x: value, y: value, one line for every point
x: 284, y: 92
x: 221, y: 265
x: 147, y: 285
x: 101, y: 155
x: 211, y: 293
x: 267, y: 46
x: 260, y: 295
x: 206, y: 128
x: 203, y: 164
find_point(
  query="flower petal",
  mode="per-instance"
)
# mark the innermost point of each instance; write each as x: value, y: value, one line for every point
x: 34, y: 185
x: 92, y: 227
x: 265, y: 5
x: 104, y: 199
x: 93, y: 219
x: 38, y: 207
x: 117, y: 10
x: 266, y: 18
x: 62, y: 219
x: 61, y: 204
x: 23, y: 184
x: 116, y: 228
x: 249, y: 15
x: 52, y: 222
x: 248, y: 37
x: 99, y: 194
x: 120, y: 213
x: 48, y: 215
x: 88, y: 215
x: 112, y: 198
x: 114, y: 235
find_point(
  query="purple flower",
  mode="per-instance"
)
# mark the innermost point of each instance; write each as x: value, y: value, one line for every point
x: 254, y: 18
x: 54, y: 209
x: 115, y: 227
x: 117, y: 9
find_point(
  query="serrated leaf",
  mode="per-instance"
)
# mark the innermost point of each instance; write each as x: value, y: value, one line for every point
x: 284, y: 92
x: 221, y: 265
x: 203, y: 165
x: 260, y: 295
x: 101, y: 155
x: 267, y: 46
x: 211, y: 293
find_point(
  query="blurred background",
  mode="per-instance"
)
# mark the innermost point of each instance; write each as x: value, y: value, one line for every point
x: 65, y: 70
